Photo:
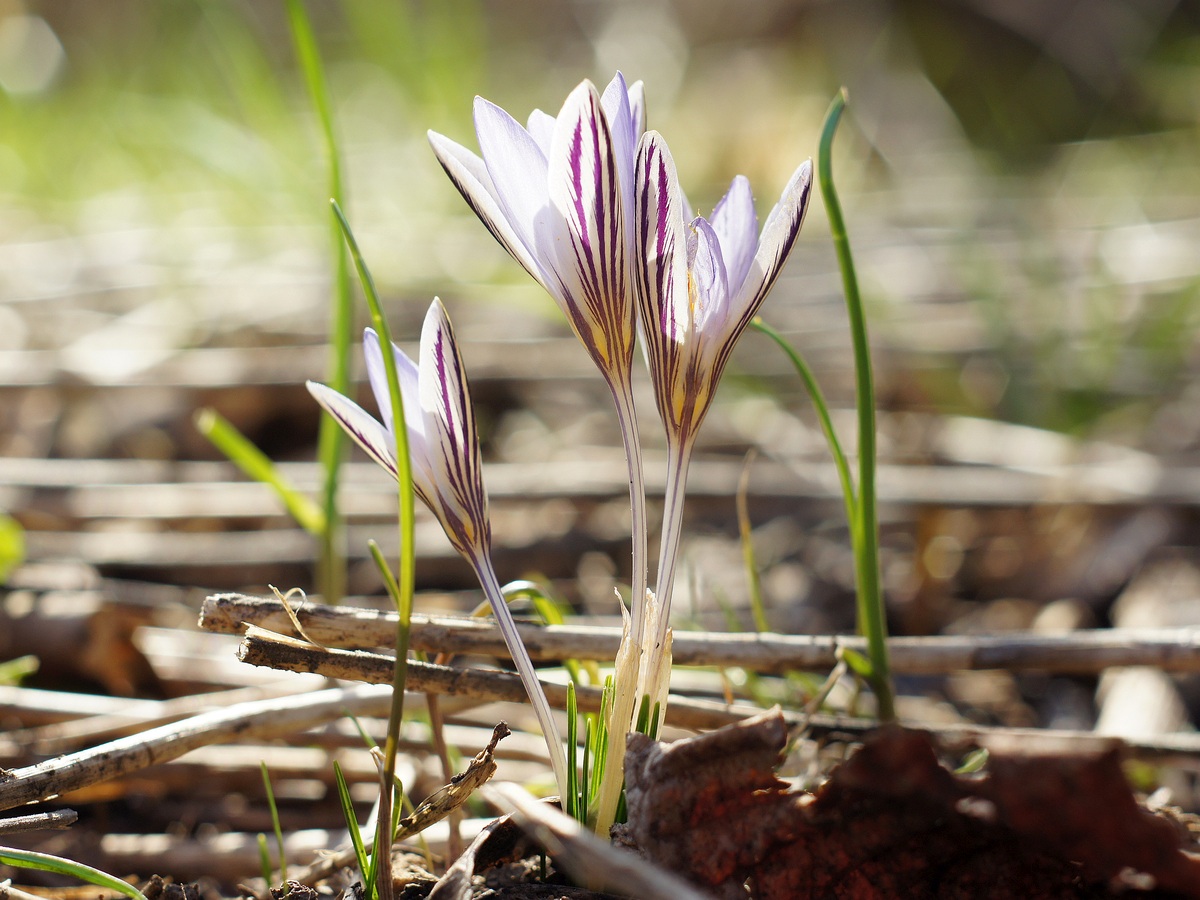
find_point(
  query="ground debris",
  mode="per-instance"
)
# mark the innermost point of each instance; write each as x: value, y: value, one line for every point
x: 892, y: 821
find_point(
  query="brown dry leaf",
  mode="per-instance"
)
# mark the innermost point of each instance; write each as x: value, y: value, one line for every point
x: 893, y: 822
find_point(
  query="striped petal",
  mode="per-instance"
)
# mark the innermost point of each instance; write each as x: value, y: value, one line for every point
x: 366, y: 430
x: 778, y: 237
x: 660, y: 242
x: 468, y: 173
x: 454, y: 456
x: 625, y: 112
x: 586, y: 236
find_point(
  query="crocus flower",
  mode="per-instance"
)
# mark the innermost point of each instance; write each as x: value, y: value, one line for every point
x: 700, y: 282
x: 447, y: 471
x: 558, y: 196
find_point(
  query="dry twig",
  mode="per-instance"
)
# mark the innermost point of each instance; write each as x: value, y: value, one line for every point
x: 1079, y: 653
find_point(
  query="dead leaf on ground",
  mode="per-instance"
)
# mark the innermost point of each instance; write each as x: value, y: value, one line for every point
x: 892, y: 821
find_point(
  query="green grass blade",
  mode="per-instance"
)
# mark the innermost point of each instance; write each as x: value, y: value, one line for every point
x: 871, y: 615
x: 264, y: 859
x: 14, y: 671
x: 817, y: 397
x: 404, y: 585
x: 275, y: 822
x: 44, y: 862
x: 12, y: 545
x: 571, y: 801
x: 746, y: 534
x: 331, y: 443
x: 240, y: 451
x: 356, y: 841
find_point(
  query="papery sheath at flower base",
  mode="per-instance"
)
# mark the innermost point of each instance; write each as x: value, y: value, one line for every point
x: 558, y: 196
x: 447, y: 469
x: 699, y: 283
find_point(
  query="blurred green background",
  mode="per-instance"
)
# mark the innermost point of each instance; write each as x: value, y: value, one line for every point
x: 1021, y: 177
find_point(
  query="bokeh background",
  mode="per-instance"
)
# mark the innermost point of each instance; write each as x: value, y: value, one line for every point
x: 1022, y: 192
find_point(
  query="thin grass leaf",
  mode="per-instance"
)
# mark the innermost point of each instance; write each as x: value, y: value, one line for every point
x: 746, y: 534
x: 278, y: 826
x: 571, y: 801
x: 817, y: 397
x: 240, y: 451
x: 872, y: 620
x: 14, y: 671
x: 12, y: 545
x: 264, y: 859
x: 352, y: 827
x: 404, y: 585
x: 585, y: 779
x: 44, y: 862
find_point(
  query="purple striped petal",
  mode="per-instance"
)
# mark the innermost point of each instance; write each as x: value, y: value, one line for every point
x: 625, y: 124
x: 776, y: 242
x: 454, y: 455
x: 376, y: 440
x: 469, y: 174
x: 736, y: 225
x: 660, y: 242
x: 586, y: 237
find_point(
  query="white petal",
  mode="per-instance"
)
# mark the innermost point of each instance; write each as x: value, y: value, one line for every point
x: 708, y: 283
x: 736, y: 226
x: 517, y: 168
x: 778, y: 237
x: 469, y: 174
x: 366, y: 430
x: 406, y: 376
x: 541, y: 129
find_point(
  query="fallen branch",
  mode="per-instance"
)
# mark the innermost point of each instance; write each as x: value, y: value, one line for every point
x: 264, y: 718
x: 1076, y: 653
x: 261, y: 647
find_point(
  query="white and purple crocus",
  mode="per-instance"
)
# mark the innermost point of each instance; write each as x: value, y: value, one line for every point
x: 558, y: 196
x: 447, y: 471
x: 699, y: 283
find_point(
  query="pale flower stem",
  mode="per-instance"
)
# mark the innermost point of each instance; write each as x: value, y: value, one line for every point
x: 627, y: 418
x: 625, y: 676
x: 679, y: 457
x: 537, y: 697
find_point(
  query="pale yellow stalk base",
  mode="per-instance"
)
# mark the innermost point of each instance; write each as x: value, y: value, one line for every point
x: 620, y: 723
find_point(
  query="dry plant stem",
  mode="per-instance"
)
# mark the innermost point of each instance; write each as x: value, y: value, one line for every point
x: 1079, y: 652
x: 587, y: 858
x: 445, y: 801
x: 267, y: 718
x: 63, y: 737
x: 263, y: 648
x: 62, y: 818
x: 8, y: 892
x: 437, y: 723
